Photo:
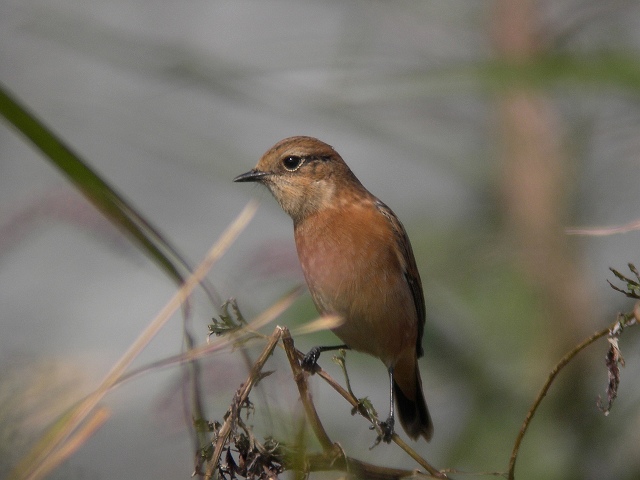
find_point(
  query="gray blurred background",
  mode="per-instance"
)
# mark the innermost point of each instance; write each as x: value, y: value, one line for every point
x: 489, y: 126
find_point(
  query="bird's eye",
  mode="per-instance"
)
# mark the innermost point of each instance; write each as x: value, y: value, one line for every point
x: 292, y: 163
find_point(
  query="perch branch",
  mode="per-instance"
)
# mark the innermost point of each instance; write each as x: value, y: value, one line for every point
x: 239, y: 399
x: 305, y: 396
x: 327, y: 445
x: 552, y: 376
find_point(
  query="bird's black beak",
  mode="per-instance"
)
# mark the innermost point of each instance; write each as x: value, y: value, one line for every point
x: 251, y: 176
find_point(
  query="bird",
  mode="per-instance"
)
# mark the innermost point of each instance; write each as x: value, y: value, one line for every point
x: 358, y: 264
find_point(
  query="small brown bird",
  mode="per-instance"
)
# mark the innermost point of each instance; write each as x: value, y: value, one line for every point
x: 358, y: 264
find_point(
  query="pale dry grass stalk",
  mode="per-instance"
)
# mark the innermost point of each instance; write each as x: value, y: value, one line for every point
x: 34, y: 464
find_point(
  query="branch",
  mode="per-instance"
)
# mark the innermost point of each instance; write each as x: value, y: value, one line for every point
x: 333, y: 456
x: 328, y: 461
x: 613, y: 329
x: 241, y: 396
x: 604, y: 231
x: 352, y: 465
x: 303, y: 388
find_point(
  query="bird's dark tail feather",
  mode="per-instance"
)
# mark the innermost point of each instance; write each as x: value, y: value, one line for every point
x: 414, y: 414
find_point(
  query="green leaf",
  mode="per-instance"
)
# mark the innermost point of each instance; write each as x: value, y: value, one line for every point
x: 94, y: 188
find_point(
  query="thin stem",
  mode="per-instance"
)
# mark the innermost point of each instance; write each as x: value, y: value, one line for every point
x: 29, y: 466
x: 303, y: 388
x: 299, y: 375
x: 545, y: 388
x: 239, y: 399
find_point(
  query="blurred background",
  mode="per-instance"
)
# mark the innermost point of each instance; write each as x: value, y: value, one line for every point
x: 488, y: 126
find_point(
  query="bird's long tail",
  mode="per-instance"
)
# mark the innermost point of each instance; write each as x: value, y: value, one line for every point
x: 411, y: 405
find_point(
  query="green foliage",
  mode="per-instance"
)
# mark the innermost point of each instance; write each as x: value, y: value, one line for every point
x: 104, y: 197
x: 229, y: 321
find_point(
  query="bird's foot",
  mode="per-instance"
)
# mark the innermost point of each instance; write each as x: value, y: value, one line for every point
x: 385, y: 431
x: 310, y: 360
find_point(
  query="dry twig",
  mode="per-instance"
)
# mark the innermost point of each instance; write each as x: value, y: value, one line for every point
x: 613, y: 331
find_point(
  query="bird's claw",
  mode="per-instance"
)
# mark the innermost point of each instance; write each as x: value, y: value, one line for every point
x: 310, y: 360
x: 387, y: 429
x: 385, y: 432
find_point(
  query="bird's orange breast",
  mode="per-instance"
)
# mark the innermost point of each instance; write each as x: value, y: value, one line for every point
x: 354, y: 269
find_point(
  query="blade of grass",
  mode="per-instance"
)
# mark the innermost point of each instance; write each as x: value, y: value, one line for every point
x: 233, y: 339
x: 94, y: 188
x: 93, y: 424
x: 30, y: 467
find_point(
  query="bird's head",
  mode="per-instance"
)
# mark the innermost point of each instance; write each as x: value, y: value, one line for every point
x: 303, y: 174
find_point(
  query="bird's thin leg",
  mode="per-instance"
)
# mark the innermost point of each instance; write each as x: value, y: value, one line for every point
x: 388, y: 424
x: 311, y: 359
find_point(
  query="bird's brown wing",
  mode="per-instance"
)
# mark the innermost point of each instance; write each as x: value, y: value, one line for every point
x: 411, y: 274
